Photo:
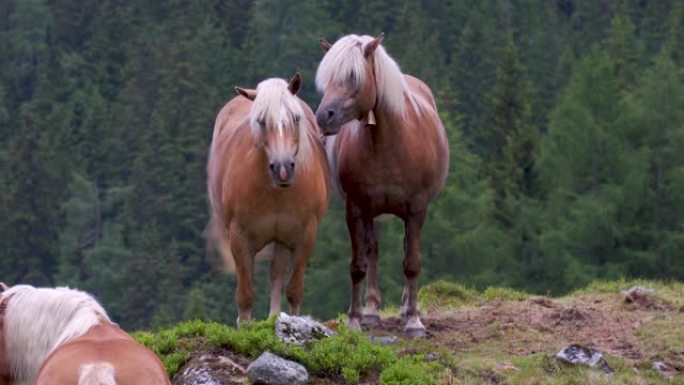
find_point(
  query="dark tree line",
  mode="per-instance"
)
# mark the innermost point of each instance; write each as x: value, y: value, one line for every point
x: 565, y: 120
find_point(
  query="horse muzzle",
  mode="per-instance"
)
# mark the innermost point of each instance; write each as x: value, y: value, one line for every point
x: 282, y: 173
x: 328, y: 119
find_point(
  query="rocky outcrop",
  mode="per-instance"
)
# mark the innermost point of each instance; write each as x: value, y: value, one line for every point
x: 299, y: 330
x: 578, y: 354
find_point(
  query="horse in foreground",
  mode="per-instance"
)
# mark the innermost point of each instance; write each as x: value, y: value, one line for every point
x: 268, y: 183
x: 64, y: 337
x: 389, y: 154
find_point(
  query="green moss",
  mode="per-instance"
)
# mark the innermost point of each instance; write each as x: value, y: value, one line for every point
x: 503, y: 293
x: 408, y: 371
x: 348, y: 354
x: 446, y: 294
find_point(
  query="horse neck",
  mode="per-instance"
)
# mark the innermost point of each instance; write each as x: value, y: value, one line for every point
x: 389, y: 128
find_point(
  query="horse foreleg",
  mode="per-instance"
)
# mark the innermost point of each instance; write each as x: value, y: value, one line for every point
x: 279, y: 261
x: 371, y: 315
x: 357, y: 268
x: 244, y: 267
x: 413, y: 226
x: 295, y: 286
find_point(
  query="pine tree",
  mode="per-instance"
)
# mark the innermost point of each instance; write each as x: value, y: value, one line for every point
x: 30, y: 199
x: 656, y: 130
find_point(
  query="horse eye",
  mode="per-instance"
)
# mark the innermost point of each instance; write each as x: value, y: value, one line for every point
x: 262, y: 124
x: 297, y: 118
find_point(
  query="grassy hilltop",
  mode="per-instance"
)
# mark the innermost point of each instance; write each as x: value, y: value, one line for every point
x: 498, y: 336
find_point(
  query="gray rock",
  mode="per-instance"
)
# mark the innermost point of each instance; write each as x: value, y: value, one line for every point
x: 663, y: 368
x: 270, y: 369
x: 578, y: 354
x: 299, y: 330
x: 384, y: 340
x: 209, y: 369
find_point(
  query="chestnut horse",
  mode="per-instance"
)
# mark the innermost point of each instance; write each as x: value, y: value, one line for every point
x: 389, y: 154
x: 268, y: 183
x: 64, y: 337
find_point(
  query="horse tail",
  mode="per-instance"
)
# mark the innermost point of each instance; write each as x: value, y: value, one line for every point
x: 100, y: 373
x: 218, y: 243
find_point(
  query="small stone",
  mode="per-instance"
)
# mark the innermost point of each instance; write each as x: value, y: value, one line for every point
x: 643, y: 297
x: 270, y: 369
x: 384, y: 340
x: 300, y: 330
x: 666, y: 370
x: 577, y: 354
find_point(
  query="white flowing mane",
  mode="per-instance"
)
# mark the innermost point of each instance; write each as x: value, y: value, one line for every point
x: 279, y: 109
x: 38, y: 320
x: 345, y: 61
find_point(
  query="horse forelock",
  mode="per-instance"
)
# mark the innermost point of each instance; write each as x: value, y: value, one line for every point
x: 344, y: 61
x: 38, y: 320
x: 279, y: 109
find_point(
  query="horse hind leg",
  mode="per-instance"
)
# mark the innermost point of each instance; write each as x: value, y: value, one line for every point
x: 413, y: 224
x: 280, y: 258
x: 301, y: 253
x: 371, y: 314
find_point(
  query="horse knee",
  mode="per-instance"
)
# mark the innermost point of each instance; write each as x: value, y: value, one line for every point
x: 411, y: 267
x: 244, y: 300
x: 357, y: 271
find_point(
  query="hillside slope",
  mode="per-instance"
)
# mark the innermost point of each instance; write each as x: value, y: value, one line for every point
x: 498, y: 336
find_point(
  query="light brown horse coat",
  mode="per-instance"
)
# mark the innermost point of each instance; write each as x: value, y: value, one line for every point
x: 389, y: 155
x: 268, y: 183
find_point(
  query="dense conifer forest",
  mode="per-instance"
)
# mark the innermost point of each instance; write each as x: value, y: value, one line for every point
x: 565, y: 121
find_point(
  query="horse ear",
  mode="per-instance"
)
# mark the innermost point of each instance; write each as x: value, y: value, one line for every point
x: 248, y: 93
x: 325, y: 45
x: 371, y: 46
x: 295, y: 83
x: 4, y: 286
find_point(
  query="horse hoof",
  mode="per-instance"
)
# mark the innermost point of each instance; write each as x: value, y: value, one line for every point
x: 354, y: 324
x: 370, y: 320
x: 415, y: 333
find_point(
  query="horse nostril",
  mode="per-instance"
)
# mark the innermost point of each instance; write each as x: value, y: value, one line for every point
x: 292, y: 166
x: 330, y: 113
x: 272, y: 166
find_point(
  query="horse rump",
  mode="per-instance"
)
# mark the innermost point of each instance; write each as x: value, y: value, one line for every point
x: 100, y: 373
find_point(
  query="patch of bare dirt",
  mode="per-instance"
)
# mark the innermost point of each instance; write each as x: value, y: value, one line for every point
x: 539, y: 324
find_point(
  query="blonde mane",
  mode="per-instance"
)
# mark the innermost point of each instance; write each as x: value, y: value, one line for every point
x: 38, y: 320
x: 277, y: 108
x: 345, y: 61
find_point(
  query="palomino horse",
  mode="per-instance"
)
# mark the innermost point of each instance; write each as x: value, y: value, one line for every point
x: 268, y: 182
x: 64, y: 337
x: 389, y: 154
